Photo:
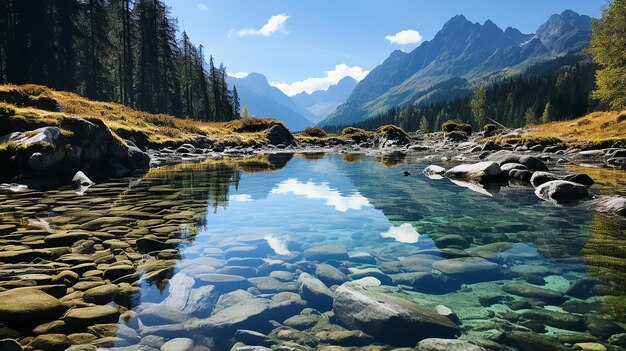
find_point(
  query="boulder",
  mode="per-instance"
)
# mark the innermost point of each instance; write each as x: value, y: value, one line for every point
x: 561, y: 191
x: 315, y: 292
x: 330, y: 275
x: 279, y: 135
x: 540, y: 177
x: 481, y: 171
x: 178, y: 344
x: 326, y: 252
x: 504, y: 156
x: 434, y: 344
x: 490, y: 145
x: 28, y: 307
x: 580, y: 178
x: 434, y: 171
x: 389, y: 318
x: 390, y: 135
x: 236, y: 310
x: 50, y: 342
x: 533, y: 292
x: 80, y: 318
x: 522, y: 175
x: 615, y: 205
x: 189, y: 300
x: 469, y: 269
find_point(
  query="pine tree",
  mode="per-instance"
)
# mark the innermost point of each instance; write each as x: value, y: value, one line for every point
x: 424, y: 127
x: 608, y: 49
x: 529, y: 116
x: 479, y: 106
x: 244, y: 112
x: 96, y: 48
x: 236, y: 103
x: 547, y: 115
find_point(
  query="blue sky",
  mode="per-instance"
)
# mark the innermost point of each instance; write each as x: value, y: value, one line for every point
x: 309, y: 44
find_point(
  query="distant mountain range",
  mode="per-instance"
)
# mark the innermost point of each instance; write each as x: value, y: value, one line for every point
x: 322, y: 103
x: 460, y: 56
x: 297, y: 112
x: 263, y: 100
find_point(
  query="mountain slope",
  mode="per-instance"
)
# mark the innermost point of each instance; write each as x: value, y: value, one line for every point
x: 321, y: 103
x: 264, y: 100
x: 461, y: 49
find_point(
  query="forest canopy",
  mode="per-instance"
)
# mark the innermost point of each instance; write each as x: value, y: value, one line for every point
x: 126, y: 51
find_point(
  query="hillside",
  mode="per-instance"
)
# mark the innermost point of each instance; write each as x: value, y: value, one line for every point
x: 28, y: 107
x: 476, y: 53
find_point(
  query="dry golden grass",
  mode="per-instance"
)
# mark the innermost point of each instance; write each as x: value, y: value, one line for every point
x: 248, y: 164
x: 159, y: 128
x: 593, y: 130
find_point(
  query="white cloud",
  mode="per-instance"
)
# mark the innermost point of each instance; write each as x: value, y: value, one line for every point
x: 333, y: 197
x: 275, y: 24
x: 405, y: 233
x: 240, y: 198
x: 239, y: 74
x: 321, y: 83
x: 278, y: 245
x: 202, y: 7
x: 405, y: 37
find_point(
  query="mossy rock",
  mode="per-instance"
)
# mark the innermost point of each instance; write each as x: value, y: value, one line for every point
x: 450, y: 126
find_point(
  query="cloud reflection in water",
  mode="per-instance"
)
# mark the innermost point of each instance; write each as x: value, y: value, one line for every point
x: 312, y: 190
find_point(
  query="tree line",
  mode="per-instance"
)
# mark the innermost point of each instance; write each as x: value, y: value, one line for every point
x: 545, y: 92
x: 126, y: 51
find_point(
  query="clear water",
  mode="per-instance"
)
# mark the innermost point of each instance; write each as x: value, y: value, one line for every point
x: 249, y: 219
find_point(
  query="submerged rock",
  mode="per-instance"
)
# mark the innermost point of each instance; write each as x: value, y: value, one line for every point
x: 389, y: 318
x: 28, y: 307
x: 433, y: 344
x: 315, y: 292
x: 524, y: 290
x: 615, y: 205
x: 561, y: 191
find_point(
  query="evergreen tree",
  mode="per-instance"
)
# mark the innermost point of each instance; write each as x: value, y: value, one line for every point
x: 424, y: 127
x: 244, y: 112
x: 96, y: 48
x: 236, y: 103
x: 529, y: 116
x: 608, y: 49
x: 479, y: 106
x: 547, y: 113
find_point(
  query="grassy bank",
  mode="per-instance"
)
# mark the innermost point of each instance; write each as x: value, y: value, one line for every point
x: 28, y: 107
x: 595, y: 130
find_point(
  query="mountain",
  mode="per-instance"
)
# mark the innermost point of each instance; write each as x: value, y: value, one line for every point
x: 264, y: 100
x: 474, y: 52
x: 322, y: 103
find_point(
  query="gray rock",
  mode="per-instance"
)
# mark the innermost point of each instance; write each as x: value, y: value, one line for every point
x: 434, y: 344
x: 480, y: 171
x: 325, y: 253
x: 561, y: 191
x: 178, y: 344
x: 279, y: 135
x: 250, y: 337
x: 490, y: 145
x: 236, y: 310
x: 389, y: 318
x: 433, y: 171
x: 504, y: 156
x: 315, y: 292
x: 580, y: 178
x: 507, y: 167
x: 189, y: 300
x: 521, y: 175
x: 330, y: 275
x: 469, y: 269
x: 427, y: 282
x: 534, y: 292
x: 555, y: 319
x: 539, y: 178
x: 615, y: 205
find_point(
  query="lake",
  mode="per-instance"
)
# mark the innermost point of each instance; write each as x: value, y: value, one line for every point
x: 273, y: 250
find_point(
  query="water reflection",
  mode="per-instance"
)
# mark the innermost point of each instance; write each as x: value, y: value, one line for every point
x: 242, y: 231
x: 323, y: 191
x: 405, y: 233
